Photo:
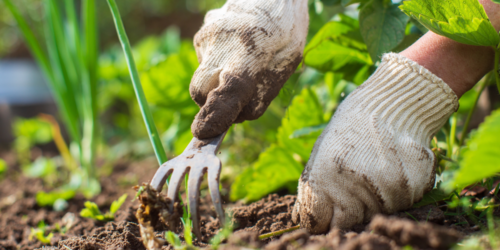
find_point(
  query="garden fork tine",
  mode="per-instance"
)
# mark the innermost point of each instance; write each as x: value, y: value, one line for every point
x: 197, y: 159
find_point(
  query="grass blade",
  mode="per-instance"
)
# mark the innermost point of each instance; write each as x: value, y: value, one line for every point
x: 146, y: 113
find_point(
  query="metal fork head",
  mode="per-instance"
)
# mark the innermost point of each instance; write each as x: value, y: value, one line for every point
x: 198, y: 158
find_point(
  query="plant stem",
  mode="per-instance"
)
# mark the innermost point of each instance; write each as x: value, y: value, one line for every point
x: 146, y: 113
x: 495, y: 67
x: 59, y: 141
x: 482, y: 86
x: 280, y: 232
x: 451, y: 141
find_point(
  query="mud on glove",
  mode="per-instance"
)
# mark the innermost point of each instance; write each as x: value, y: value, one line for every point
x: 374, y: 156
x: 247, y: 50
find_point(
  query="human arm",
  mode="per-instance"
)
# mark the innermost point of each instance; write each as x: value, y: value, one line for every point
x: 374, y: 155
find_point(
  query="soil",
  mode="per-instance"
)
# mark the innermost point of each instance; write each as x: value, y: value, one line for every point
x: 20, y: 213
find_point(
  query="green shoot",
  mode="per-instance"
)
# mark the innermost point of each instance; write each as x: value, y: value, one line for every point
x: 491, y: 228
x: 39, y: 233
x: 139, y: 92
x: 139, y: 192
x: 92, y: 211
x: 223, y: 234
x: 173, y: 239
x: 70, y: 68
x: 3, y: 167
x: 188, y: 232
x: 277, y: 233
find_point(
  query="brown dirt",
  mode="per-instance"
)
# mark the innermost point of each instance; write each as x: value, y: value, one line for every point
x: 20, y: 213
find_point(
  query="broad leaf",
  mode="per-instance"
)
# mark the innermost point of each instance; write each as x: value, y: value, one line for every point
x: 305, y: 111
x: 166, y: 84
x: 463, y: 21
x: 273, y: 170
x: 382, y: 27
x: 283, y: 161
x: 339, y: 47
x: 482, y: 157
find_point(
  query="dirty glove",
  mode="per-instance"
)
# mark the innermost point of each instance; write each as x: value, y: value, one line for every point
x: 374, y: 156
x: 247, y: 50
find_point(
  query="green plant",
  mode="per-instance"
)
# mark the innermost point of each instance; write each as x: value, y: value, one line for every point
x: 28, y: 133
x: 69, y: 64
x: 134, y: 75
x: 40, y: 232
x: 3, y: 167
x: 92, y: 211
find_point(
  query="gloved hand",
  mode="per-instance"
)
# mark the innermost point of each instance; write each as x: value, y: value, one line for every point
x: 247, y: 50
x: 374, y: 156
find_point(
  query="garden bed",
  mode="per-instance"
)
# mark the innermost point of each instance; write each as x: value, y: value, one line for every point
x: 20, y: 213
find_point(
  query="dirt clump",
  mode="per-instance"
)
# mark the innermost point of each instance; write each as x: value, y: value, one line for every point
x: 123, y: 235
x: 422, y: 235
x: 154, y: 214
x: 270, y: 214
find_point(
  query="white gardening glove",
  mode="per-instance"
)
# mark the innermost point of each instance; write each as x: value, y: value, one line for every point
x: 247, y: 50
x: 374, y: 156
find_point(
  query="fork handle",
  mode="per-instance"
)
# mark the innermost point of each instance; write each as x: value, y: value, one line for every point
x: 210, y: 145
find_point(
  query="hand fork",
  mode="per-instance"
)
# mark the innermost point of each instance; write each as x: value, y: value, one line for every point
x: 198, y: 158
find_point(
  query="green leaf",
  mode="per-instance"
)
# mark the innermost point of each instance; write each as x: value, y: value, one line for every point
x: 307, y: 131
x: 3, y: 166
x: 117, y: 204
x: 167, y: 84
x: 382, y: 27
x: 337, y: 46
x: 48, y: 199
x: 276, y: 164
x: 283, y: 161
x: 435, y: 195
x: 482, y: 157
x: 305, y: 111
x: 496, y: 1
x: 173, y: 239
x: 91, y: 211
x: 463, y: 21
x: 40, y: 168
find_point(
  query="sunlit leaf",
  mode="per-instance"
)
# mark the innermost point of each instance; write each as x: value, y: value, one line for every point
x: 305, y: 111
x: 463, y: 21
x: 117, y: 204
x: 49, y: 198
x: 482, y: 157
x: 382, y: 27
x: 3, y: 166
x: 283, y: 161
x: 276, y: 164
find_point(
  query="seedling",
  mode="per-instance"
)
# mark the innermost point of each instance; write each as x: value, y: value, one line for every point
x: 223, y: 234
x: 92, y: 211
x: 39, y: 233
x: 3, y: 167
x: 174, y: 240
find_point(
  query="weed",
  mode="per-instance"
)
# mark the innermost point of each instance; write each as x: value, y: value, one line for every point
x: 92, y: 211
x: 39, y: 233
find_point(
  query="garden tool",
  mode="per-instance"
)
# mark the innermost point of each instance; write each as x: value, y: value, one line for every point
x: 198, y: 158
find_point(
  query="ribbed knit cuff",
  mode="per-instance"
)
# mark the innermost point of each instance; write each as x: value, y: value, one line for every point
x: 406, y: 97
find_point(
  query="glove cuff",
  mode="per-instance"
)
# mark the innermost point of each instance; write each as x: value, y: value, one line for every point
x: 407, y: 99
